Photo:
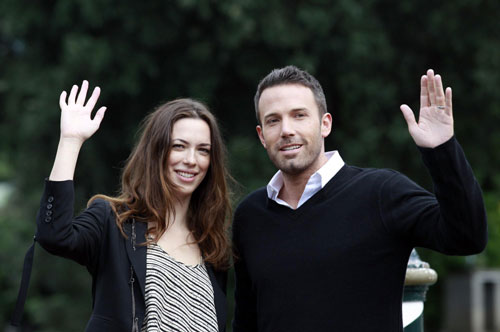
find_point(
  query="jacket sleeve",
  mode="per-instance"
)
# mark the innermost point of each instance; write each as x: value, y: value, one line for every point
x: 453, y: 221
x: 59, y: 233
x: 245, y: 315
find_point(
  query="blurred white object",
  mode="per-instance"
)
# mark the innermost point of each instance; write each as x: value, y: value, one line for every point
x: 411, y: 311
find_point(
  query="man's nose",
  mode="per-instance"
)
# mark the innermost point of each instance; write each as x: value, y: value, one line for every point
x: 287, y: 128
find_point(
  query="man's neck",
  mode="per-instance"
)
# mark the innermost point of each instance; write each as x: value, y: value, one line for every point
x: 294, y: 184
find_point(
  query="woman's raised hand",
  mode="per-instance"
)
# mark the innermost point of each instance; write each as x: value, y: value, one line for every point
x: 76, y: 126
x: 76, y: 121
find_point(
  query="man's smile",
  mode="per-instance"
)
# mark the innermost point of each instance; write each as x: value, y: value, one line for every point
x: 290, y: 147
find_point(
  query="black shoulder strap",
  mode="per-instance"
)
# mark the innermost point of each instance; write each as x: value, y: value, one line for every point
x: 23, y: 288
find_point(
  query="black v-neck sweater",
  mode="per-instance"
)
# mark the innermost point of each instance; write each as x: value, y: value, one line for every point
x: 338, y: 262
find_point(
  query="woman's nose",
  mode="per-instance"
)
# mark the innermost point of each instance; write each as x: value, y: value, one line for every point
x: 189, y: 157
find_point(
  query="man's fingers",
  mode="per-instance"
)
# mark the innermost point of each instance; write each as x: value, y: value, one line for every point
x: 431, y: 87
x: 424, y: 92
x: 72, y: 95
x: 440, y: 99
x: 83, y: 93
x: 62, y: 100
x: 409, y: 116
x: 93, y: 99
x: 449, y: 104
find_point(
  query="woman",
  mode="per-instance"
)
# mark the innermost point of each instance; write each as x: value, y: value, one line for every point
x: 158, y: 252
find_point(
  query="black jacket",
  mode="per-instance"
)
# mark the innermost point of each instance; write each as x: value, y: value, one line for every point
x: 117, y: 264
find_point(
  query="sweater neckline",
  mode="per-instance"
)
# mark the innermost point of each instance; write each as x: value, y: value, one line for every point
x: 329, y: 189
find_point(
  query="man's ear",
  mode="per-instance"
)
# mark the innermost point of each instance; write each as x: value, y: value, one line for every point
x: 326, y: 124
x: 261, y: 136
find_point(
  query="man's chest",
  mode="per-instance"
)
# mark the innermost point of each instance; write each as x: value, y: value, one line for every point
x: 314, y: 242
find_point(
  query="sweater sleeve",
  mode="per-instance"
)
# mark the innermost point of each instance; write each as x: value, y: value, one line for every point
x: 60, y: 234
x: 453, y: 221
x: 245, y: 316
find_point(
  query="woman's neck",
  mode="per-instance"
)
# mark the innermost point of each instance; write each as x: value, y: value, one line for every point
x: 179, y: 219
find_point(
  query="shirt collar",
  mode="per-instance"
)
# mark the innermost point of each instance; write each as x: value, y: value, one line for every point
x: 325, y: 173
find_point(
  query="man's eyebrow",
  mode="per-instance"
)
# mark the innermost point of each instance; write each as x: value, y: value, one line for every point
x: 270, y: 115
x: 298, y: 109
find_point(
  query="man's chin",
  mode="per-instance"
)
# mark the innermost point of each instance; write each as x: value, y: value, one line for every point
x: 290, y: 168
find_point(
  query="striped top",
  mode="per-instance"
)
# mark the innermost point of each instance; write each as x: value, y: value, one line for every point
x: 179, y: 297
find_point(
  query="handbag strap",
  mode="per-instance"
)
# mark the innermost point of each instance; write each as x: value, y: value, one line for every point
x: 23, y: 288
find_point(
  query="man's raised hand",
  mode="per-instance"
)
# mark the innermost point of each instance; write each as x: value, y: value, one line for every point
x: 435, y: 123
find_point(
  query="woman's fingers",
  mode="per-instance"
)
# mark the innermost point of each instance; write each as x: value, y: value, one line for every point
x: 62, y: 100
x: 79, y: 98
x: 83, y: 93
x: 72, y: 95
x: 99, y: 115
x: 76, y: 101
x: 93, y: 98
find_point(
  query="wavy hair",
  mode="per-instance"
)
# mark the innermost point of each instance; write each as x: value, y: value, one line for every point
x: 147, y: 194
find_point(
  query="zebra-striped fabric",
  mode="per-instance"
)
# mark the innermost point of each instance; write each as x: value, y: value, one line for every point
x: 179, y: 297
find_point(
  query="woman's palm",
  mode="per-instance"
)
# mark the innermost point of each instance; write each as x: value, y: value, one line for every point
x: 76, y: 121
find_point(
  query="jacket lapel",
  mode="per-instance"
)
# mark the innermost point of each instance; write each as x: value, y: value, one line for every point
x: 219, y: 298
x: 136, y: 252
x: 137, y: 256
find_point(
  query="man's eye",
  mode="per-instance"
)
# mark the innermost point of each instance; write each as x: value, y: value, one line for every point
x: 271, y: 121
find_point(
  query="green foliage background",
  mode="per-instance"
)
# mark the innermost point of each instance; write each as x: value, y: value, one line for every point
x: 368, y: 55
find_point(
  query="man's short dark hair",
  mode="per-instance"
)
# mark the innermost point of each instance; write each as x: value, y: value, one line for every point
x: 291, y: 75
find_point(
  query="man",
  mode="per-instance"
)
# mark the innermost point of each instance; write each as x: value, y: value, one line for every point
x: 325, y: 246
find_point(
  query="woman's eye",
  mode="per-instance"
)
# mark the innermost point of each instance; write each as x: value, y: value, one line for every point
x: 205, y: 151
x: 177, y: 146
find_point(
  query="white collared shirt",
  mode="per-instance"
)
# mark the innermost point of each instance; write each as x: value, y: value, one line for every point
x: 315, y: 183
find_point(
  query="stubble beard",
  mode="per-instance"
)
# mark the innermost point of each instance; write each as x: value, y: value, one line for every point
x: 298, y: 164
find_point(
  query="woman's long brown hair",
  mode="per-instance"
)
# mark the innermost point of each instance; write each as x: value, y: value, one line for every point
x: 147, y: 194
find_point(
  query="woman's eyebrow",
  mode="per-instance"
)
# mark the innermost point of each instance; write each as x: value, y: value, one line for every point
x: 186, y: 142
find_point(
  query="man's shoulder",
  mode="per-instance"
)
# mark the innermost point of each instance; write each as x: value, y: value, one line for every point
x: 249, y: 208
x: 378, y: 180
x: 369, y: 173
x: 257, y: 198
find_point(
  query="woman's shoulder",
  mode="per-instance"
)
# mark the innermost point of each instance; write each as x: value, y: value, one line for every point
x: 99, y: 204
x: 109, y: 210
x: 101, y: 209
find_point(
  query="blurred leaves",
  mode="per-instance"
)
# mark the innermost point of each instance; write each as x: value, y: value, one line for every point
x: 367, y: 54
